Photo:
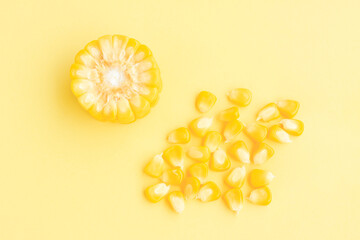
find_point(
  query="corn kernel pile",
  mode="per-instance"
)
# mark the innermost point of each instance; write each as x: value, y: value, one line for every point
x: 218, y: 150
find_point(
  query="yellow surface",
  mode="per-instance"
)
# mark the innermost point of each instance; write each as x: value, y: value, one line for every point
x: 64, y: 175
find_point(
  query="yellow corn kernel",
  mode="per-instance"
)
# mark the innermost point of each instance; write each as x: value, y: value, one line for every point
x: 234, y: 199
x: 191, y: 187
x: 219, y: 161
x: 259, y: 178
x: 209, y: 192
x: 268, y: 113
x: 200, y: 126
x: 205, y: 101
x: 232, y: 129
x: 276, y: 133
x: 156, y: 192
x: 155, y: 167
x: 292, y: 126
x: 199, y: 153
x: 212, y: 140
x: 261, y: 196
x: 239, y: 151
x: 172, y: 176
x: 199, y: 170
x: 236, y: 177
x: 177, y: 201
x: 229, y: 114
x: 256, y: 132
x: 174, y: 155
x: 179, y: 136
x: 288, y: 108
x: 115, y: 78
x: 262, y: 153
x: 240, y: 96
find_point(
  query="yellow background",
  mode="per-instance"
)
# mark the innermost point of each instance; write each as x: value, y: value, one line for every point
x: 64, y: 175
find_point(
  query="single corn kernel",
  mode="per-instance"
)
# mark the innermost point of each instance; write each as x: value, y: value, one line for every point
x: 261, y: 196
x: 212, y: 140
x: 156, y: 192
x: 191, y: 187
x: 155, y: 167
x: 201, y: 125
x: 115, y: 78
x: 177, y: 201
x: 174, y: 155
x: 236, y: 177
x: 262, y: 153
x: 229, y: 114
x: 256, y: 132
x: 172, y: 176
x: 259, y: 178
x: 292, y: 126
x: 240, y: 96
x: 276, y: 133
x: 239, y: 151
x: 179, y: 136
x: 199, y: 153
x: 199, y: 170
x: 268, y: 113
x: 288, y: 108
x: 219, y: 161
x: 234, y: 199
x: 205, y: 101
x: 232, y: 129
x: 209, y: 192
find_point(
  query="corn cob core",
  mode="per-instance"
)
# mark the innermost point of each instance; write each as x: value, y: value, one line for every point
x: 116, y: 79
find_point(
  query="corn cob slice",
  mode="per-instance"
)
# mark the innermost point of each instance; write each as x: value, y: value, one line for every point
x: 115, y: 78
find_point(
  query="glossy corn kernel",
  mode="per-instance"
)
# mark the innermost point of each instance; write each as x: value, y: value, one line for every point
x: 260, y: 196
x: 172, y: 176
x: 292, y: 126
x: 288, y: 108
x: 259, y: 178
x: 156, y: 192
x: 174, y: 155
x: 212, y: 140
x: 219, y: 161
x: 239, y: 151
x: 205, y: 101
x: 276, y: 133
x: 240, y: 96
x: 199, y: 153
x: 199, y: 170
x: 179, y: 136
x: 236, y: 177
x: 200, y: 126
x: 232, y: 129
x: 262, y: 153
x: 234, y: 199
x: 115, y: 78
x: 209, y: 192
x: 229, y: 114
x: 191, y: 187
x: 177, y: 201
x: 155, y: 167
x: 268, y: 113
x: 256, y: 132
